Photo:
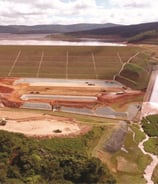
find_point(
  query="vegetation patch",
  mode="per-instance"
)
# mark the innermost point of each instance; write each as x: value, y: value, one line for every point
x: 150, y: 125
x: 26, y: 160
x: 130, y: 162
x: 151, y: 146
x: 144, y: 36
x: 134, y: 76
x: 130, y: 74
x: 133, y: 67
x: 139, y: 136
x: 126, y: 81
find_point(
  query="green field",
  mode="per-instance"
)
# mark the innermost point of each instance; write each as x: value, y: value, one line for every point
x: 77, y: 62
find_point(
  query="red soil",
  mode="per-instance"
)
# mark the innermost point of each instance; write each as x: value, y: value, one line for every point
x: 9, y: 103
x: 4, y: 89
x: 8, y: 81
x: 10, y: 96
x: 120, y: 99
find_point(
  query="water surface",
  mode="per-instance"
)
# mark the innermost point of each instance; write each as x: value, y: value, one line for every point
x: 58, y: 43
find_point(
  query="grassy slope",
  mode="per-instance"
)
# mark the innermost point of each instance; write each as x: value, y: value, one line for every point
x: 151, y: 145
x: 73, y: 62
x: 148, y: 37
x: 127, y: 167
x: 55, y: 58
x: 119, y: 31
x: 133, y: 163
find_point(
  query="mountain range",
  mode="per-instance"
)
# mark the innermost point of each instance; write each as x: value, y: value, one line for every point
x: 103, y: 32
x: 121, y: 32
x: 51, y: 29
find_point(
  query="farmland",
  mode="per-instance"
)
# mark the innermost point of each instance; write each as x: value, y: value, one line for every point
x: 66, y: 62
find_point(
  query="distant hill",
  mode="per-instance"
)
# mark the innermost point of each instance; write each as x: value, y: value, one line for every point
x: 122, y: 33
x: 50, y: 29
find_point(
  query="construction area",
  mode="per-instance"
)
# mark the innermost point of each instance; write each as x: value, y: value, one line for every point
x: 72, y: 80
x: 91, y: 97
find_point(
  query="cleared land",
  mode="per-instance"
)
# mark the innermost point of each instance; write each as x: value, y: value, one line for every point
x: 37, y: 124
x: 45, y: 127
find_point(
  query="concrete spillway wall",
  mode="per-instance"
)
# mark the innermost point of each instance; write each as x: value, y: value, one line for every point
x: 36, y: 105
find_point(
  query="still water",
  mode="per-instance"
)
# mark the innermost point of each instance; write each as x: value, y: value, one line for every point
x: 56, y: 43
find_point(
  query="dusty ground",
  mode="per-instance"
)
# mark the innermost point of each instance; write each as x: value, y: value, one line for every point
x: 40, y: 128
x: 41, y: 125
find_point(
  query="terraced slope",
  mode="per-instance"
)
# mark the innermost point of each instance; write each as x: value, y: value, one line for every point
x: 68, y: 62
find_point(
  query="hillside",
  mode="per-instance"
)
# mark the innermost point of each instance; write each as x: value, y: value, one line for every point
x: 119, y: 33
x: 49, y: 29
x: 150, y: 37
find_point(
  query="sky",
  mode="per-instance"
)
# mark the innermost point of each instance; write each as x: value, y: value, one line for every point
x: 33, y: 12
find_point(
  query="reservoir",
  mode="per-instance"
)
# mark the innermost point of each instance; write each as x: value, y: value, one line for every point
x: 60, y: 43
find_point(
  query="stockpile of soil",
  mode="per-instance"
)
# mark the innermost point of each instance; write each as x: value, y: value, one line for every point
x: 4, y: 89
x: 120, y: 98
x: 8, y: 103
x: 8, y: 81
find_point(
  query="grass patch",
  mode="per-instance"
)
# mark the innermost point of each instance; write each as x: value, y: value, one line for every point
x: 81, y: 144
x: 130, y: 166
x: 134, y: 67
x: 151, y: 146
x: 139, y: 136
x: 130, y: 178
x: 90, y: 120
x: 150, y: 125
